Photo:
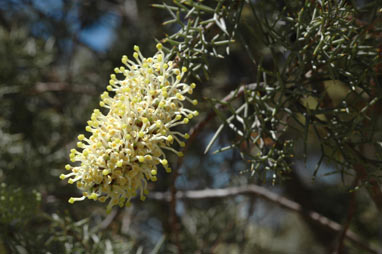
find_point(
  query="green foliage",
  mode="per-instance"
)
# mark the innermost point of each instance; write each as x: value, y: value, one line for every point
x: 63, y: 235
x: 202, y: 30
x: 325, y: 88
x: 17, y: 205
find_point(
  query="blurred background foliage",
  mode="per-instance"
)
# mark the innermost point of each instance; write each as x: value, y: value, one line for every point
x: 55, y: 60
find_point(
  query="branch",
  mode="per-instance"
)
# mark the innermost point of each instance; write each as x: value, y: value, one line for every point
x: 198, y: 127
x: 349, y: 217
x: 108, y: 220
x: 172, y: 196
x: 374, y: 189
x: 272, y: 197
x: 42, y: 87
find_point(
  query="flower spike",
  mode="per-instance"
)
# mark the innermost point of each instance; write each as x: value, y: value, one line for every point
x: 127, y: 144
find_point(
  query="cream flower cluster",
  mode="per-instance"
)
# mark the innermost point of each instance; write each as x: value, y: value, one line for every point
x: 127, y: 144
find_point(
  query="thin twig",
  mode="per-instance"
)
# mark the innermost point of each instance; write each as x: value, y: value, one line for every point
x: 372, y: 185
x: 108, y: 220
x: 349, y: 217
x: 194, y: 131
x: 198, y: 127
x: 173, y: 220
x: 193, y: 134
x: 272, y: 197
